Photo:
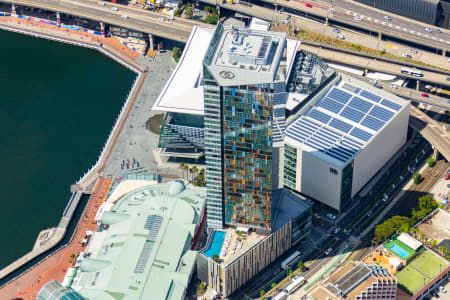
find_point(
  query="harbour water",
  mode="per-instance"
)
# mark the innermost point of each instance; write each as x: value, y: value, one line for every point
x: 57, y: 107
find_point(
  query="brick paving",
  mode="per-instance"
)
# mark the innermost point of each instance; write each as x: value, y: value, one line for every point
x: 54, y: 267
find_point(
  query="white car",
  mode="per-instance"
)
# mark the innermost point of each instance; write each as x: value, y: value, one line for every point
x: 388, y: 18
x: 101, y: 3
x: 328, y: 251
x: 331, y: 11
x: 337, y: 230
x: 393, y: 86
x: 170, y: 18
x: 161, y: 19
x: 428, y: 29
x: 442, y: 289
x: 405, y: 55
x: 336, y: 30
x: 124, y: 16
x: 114, y: 8
x: 385, y: 197
x: 373, y: 81
x: 357, y: 18
x: 413, y: 51
x: 340, y: 36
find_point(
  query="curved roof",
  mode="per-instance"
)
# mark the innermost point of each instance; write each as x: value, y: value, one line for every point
x: 176, y: 187
x: 109, y: 218
x: 93, y: 265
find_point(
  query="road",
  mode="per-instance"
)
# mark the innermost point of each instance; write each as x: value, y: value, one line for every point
x: 371, y: 19
x: 138, y: 19
x: 372, y: 64
x: 432, y: 131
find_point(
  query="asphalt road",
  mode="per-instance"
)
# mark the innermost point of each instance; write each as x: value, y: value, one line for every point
x: 138, y: 19
x: 371, y: 19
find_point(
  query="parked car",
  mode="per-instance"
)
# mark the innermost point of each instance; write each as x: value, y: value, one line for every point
x: 427, y: 29
x: 438, y: 30
x: 442, y: 289
x: 373, y: 81
x: 385, y: 198
x: 124, y: 16
x: 337, y: 230
x: 446, y: 177
x: 340, y: 36
x: 331, y: 11
x: 101, y: 3
x: 377, y: 86
x: 308, y: 5
x: 336, y: 30
x: 425, y: 95
x: 388, y: 18
x: 328, y: 251
x: 413, y: 51
x: 114, y: 8
x: 357, y: 18
x: 406, y: 55
x: 369, y: 213
x: 348, y: 231
x: 393, y: 86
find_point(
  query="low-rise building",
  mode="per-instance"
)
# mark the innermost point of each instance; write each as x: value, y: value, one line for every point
x: 142, y: 248
x: 356, y: 281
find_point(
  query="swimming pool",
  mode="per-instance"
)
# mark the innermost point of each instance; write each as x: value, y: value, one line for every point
x: 399, y: 250
x: 216, y: 244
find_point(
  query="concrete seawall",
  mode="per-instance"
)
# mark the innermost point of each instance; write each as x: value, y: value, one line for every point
x: 49, y: 238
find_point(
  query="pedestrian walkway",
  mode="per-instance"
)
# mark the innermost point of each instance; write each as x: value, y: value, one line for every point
x: 55, y: 266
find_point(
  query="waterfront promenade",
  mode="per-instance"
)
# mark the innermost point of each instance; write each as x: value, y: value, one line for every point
x: 55, y: 266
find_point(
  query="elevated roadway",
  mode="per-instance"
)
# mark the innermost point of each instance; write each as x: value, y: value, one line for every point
x: 431, y: 130
x: 372, y: 19
x: 138, y: 19
x: 373, y: 64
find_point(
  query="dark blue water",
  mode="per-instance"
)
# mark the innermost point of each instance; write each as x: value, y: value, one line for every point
x: 58, y: 104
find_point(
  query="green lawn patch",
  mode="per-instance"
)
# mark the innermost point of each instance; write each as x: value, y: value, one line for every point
x: 420, y: 271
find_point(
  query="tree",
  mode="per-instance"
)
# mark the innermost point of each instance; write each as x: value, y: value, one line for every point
x: 215, y: 257
x: 301, y: 266
x: 194, y: 171
x: 431, y: 162
x: 261, y: 293
x: 177, y: 12
x: 188, y: 11
x: 417, y: 177
x: 386, y: 229
x: 273, y: 284
x: 182, y: 167
x: 443, y: 250
x: 211, y: 19
x: 176, y: 53
x: 433, y: 244
x: 207, y: 9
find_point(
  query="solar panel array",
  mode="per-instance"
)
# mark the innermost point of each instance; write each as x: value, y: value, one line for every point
x: 343, y: 121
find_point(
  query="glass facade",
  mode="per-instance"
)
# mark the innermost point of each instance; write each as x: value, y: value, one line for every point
x: 290, y: 166
x: 53, y: 290
x: 247, y: 146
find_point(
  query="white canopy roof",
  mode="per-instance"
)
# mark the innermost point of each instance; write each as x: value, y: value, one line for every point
x: 409, y: 241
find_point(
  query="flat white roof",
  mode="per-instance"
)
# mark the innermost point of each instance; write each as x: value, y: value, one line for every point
x: 409, y: 241
x: 183, y: 92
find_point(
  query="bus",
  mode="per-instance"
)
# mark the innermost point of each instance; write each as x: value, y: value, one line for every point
x: 295, y: 284
x: 411, y: 72
x: 280, y: 296
x: 288, y: 262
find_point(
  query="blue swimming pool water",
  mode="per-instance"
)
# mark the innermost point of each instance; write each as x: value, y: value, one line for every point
x: 216, y: 244
x: 399, y: 250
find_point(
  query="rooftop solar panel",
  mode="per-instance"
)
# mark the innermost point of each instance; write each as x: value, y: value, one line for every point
x: 352, y: 114
x: 339, y: 95
x: 337, y: 156
x: 372, y: 123
x: 360, y: 134
x: 390, y: 104
x: 319, y: 116
x: 370, y: 96
x: 381, y: 113
x: 327, y: 135
x: 341, y: 125
x: 360, y: 104
x: 331, y: 105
